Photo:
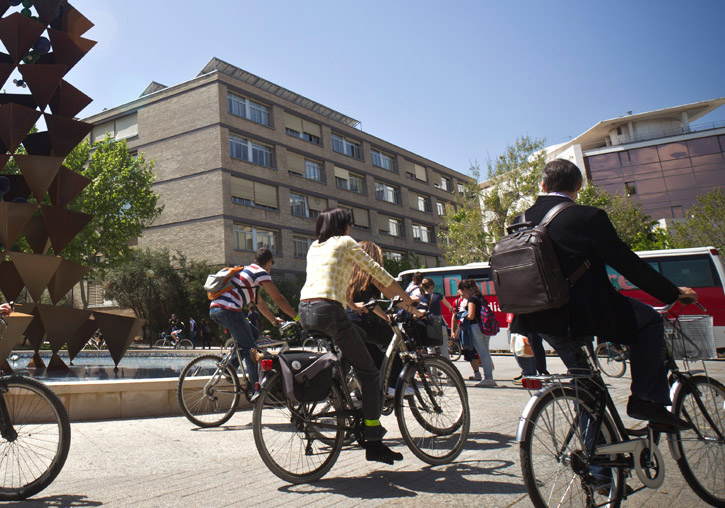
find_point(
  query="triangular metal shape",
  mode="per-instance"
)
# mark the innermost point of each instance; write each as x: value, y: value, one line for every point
x: 36, y: 362
x: 66, y: 186
x: 63, y: 225
x: 56, y: 363
x: 15, y: 123
x: 18, y: 33
x: 72, y: 21
x: 39, y: 172
x: 68, y: 49
x: 65, y: 133
x: 4, y: 6
x: 66, y: 276
x: 37, y: 143
x: 6, y: 69
x: 13, y: 218
x: 35, y: 332
x: 61, y: 323
x: 118, y: 331
x: 68, y: 101
x: 47, y: 9
x: 18, y: 188
x: 11, y: 284
x: 36, y: 235
x: 4, y: 157
x: 42, y: 80
x: 21, y: 99
x: 17, y: 323
x: 78, y: 340
x: 35, y: 270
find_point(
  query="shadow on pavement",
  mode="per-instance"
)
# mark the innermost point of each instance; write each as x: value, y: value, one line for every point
x: 489, y: 441
x: 51, y: 501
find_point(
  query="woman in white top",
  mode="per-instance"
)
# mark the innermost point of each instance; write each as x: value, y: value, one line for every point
x: 330, y: 260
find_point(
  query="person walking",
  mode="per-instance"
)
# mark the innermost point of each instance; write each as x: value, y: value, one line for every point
x: 205, y: 330
x: 193, y: 331
x: 469, y: 290
x: 434, y: 303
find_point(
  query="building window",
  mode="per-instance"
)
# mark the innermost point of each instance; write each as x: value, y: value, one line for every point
x: 247, y: 150
x: 347, y: 180
x: 360, y: 217
x: 440, y: 208
x: 389, y: 193
x: 302, y: 129
x: 301, y: 245
x: 461, y: 189
x: 383, y: 160
x: 678, y: 212
x: 424, y: 204
x: 394, y: 226
x: 445, y: 183
x: 422, y: 233
x: 306, y: 206
x: 345, y: 146
x: 415, y: 171
x: 306, y: 168
x: 251, y: 238
x: 120, y: 128
x: 260, y: 195
x: 393, y: 255
x: 246, y: 108
x: 630, y: 188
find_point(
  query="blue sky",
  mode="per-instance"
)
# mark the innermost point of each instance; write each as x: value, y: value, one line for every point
x: 453, y: 81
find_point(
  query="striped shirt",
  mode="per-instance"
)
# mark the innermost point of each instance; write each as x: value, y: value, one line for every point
x: 330, y: 264
x: 246, y: 284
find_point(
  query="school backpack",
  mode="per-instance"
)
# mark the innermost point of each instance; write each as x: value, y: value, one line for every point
x: 219, y: 283
x: 487, y: 319
x: 525, y: 270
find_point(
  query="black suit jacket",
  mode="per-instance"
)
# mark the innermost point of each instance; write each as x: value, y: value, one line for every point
x: 596, y: 308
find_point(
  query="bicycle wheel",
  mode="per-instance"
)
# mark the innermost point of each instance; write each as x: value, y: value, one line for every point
x: 162, y: 343
x: 609, y: 359
x: 432, y: 413
x: 185, y: 344
x: 702, y: 448
x: 554, y: 461
x: 298, y: 442
x: 32, y: 459
x: 454, y: 350
x: 208, y: 397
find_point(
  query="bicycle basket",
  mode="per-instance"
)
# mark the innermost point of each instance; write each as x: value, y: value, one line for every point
x: 696, y: 341
x: 307, y: 377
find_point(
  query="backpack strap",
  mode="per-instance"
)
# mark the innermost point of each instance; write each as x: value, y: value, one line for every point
x: 576, y: 274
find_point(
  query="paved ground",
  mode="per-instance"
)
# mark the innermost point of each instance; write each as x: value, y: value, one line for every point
x: 167, y: 462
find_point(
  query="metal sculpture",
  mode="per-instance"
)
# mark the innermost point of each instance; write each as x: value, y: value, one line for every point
x: 44, y: 40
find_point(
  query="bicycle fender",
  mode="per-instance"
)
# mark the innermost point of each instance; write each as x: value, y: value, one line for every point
x: 675, y: 390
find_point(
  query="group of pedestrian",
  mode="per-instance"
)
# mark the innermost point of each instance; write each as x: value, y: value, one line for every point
x: 201, y: 330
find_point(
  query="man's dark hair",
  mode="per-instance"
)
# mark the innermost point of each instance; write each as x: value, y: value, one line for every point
x: 562, y: 176
x: 262, y: 255
x: 332, y: 222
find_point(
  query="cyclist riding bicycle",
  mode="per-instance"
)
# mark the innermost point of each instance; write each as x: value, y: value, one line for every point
x: 581, y: 233
x: 330, y: 260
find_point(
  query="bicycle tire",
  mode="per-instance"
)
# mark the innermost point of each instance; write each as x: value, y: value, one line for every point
x: 435, y: 420
x: 162, y: 343
x: 295, y: 444
x: 609, y: 360
x: 701, y: 450
x: 212, y: 398
x: 547, y: 454
x: 454, y: 350
x: 185, y: 344
x: 30, y: 462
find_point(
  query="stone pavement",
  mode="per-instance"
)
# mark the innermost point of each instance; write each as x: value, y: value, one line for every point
x: 168, y: 462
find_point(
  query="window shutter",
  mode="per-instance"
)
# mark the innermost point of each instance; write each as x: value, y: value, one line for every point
x: 242, y: 188
x: 311, y: 128
x: 295, y: 162
x: 99, y: 132
x: 407, y: 166
x: 420, y: 173
x: 293, y: 122
x: 342, y: 173
x: 360, y: 217
x: 317, y: 204
x: 127, y: 126
x: 265, y: 195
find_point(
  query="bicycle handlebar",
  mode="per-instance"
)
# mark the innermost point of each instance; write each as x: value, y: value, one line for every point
x: 664, y: 308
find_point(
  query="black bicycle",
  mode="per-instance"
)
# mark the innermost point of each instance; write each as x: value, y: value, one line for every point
x: 300, y: 441
x: 35, y: 432
x: 575, y: 450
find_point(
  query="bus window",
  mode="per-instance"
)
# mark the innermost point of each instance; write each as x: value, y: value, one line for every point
x: 689, y: 272
x: 450, y: 285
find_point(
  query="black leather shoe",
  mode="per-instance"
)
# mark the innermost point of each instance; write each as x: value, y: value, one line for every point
x: 655, y: 413
x: 376, y: 451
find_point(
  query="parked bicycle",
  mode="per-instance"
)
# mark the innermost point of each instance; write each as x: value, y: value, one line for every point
x: 35, y: 432
x: 575, y: 450
x: 611, y: 358
x: 169, y: 341
x: 301, y: 441
x: 209, y: 388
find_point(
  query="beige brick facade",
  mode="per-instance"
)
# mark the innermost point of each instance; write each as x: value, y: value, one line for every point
x: 186, y: 130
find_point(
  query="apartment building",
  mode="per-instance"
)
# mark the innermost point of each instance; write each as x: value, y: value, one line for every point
x: 659, y: 158
x: 243, y: 163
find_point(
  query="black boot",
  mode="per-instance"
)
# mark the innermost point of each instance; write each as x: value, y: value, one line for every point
x: 376, y: 451
x: 655, y: 412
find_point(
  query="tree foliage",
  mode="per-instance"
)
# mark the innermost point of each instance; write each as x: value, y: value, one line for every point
x: 705, y: 224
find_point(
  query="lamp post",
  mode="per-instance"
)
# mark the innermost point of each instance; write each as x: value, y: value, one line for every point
x: 150, y: 277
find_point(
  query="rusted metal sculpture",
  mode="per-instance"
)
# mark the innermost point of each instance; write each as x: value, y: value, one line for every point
x: 44, y: 40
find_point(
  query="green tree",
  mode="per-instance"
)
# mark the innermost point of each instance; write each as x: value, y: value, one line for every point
x: 119, y: 196
x: 705, y: 224
x: 395, y: 266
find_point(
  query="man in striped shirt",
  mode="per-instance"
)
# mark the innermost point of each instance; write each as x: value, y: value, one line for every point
x: 227, y: 309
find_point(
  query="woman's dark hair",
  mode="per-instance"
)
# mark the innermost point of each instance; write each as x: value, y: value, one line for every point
x: 332, y: 222
x: 561, y: 175
x: 471, y: 285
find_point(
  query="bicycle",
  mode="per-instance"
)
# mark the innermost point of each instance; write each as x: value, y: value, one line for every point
x: 209, y: 388
x: 35, y: 432
x: 167, y: 340
x: 576, y: 451
x: 455, y: 350
x: 301, y: 441
x: 611, y: 358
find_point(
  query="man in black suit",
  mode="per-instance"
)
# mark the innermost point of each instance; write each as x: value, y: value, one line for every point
x: 583, y: 233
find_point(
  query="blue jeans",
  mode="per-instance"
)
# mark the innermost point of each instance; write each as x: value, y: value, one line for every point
x: 480, y: 342
x: 649, y: 374
x: 241, y: 331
